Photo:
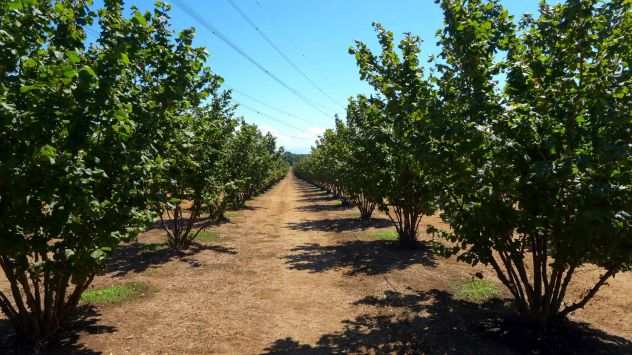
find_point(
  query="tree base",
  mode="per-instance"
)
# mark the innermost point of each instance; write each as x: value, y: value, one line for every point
x: 408, y: 243
x: 366, y: 216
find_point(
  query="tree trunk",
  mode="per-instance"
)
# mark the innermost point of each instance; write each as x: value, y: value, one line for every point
x: 40, y: 302
x: 365, y: 206
x: 408, y: 241
x: 539, y: 295
x: 181, y: 232
x: 406, y: 220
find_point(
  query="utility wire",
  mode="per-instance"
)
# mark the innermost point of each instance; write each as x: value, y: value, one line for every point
x: 284, y: 112
x: 270, y: 117
x: 225, y: 39
x: 280, y: 52
x: 250, y: 108
x: 278, y: 121
x: 276, y: 136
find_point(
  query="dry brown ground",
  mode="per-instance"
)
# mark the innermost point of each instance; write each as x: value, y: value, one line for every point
x: 295, y: 273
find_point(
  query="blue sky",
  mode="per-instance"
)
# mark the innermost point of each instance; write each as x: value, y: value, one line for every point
x: 315, y: 35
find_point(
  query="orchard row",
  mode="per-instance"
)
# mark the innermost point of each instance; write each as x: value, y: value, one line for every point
x: 518, y: 135
x: 98, y: 141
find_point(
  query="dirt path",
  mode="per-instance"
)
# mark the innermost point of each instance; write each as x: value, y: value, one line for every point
x: 296, y: 273
x: 244, y: 295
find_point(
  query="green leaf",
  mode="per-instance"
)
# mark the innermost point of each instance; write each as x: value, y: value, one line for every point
x: 68, y: 253
x: 29, y: 63
x: 73, y: 57
x: 98, y: 255
x: 124, y: 59
x: 49, y: 153
x: 139, y: 19
x: 25, y: 89
x: 70, y: 71
x: 87, y: 72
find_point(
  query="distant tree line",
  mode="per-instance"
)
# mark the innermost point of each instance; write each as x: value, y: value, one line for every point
x: 292, y: 158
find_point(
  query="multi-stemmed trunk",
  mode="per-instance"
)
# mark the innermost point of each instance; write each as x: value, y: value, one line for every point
x: 181, y: 229
x: 365, y: 205
x: 216, y: 208
x: 539, y: 289
x: 41, y: 301
x: 240, y: 197
x: 406, y: 220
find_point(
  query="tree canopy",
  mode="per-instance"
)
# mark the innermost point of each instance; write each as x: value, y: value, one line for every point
x: 99, y: 139
x: 520, y: 138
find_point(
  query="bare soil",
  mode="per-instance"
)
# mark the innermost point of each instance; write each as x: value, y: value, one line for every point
x: 294, y: 273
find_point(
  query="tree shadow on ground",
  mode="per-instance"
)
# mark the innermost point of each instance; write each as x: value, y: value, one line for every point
x: 85, y: 320
x: 200, y: 223
x: 340, y: 224
x: 6, y: 337
x: 311, y: 193
x: 316, y: 198
x: 433, y: 322
x: 248, y: 208
x: 321, y: 207
x: 138, y: 257
x: 302, y: 187
x: 358, y: 257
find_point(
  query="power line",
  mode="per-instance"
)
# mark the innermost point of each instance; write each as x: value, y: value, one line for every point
x: 225, y: 39
x: 271, y: 117
x: 276, y: 120
x: 285, y: 123
x: 280, y: 52
x: 281, y: 111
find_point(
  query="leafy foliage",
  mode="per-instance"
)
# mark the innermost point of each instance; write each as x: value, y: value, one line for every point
x: 97, y: 139
x: 190, y: 179
x: 253, y: 163
x: 384, y: 153
x: 73, y: 161
x: 540, y: 176
x: 292, y: 158
x: 522, y: 140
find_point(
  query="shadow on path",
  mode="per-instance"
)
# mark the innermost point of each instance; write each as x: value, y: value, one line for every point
x: 200, y: 223
x: 85, y: 320
x: 138, y: 257
x: 435, y: 323
x: 359, y: 257
x: 340, y: 224
x: 311, y: 193
x: 316, y: 198
x: 324, y: 207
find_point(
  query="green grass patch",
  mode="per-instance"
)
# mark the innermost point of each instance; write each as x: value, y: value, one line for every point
x: 229, y: 214
x: 384, y: 235
x: 207, y: 236
x: 476, y: 290
x: 115, y: 294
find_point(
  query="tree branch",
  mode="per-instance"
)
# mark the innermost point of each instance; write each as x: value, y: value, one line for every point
x: 590, y: 294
